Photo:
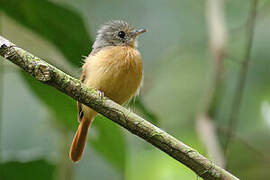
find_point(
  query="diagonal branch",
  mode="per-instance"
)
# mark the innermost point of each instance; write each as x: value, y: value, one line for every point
x: 72, y: 87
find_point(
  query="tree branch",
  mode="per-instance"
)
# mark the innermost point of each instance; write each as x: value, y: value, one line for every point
x: 72, y: 87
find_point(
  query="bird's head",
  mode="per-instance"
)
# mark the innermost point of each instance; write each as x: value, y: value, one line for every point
x: 117, y: 33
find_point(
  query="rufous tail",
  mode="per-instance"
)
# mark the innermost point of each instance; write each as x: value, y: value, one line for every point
x: 79, y: 140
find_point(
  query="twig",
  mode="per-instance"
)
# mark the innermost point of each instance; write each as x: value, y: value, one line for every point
x: 242, y: 75
x: 265, y: 157
x: 261, y: 12
x: 72, y: 87
x: 217, y: 40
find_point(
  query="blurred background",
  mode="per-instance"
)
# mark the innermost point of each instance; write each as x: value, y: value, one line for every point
x: 206, y: 82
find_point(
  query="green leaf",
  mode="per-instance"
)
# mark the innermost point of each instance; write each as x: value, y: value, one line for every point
x: 38, y: 169
x: 60, y: 25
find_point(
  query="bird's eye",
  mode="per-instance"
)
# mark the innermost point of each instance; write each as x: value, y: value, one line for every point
x: 121, y: 34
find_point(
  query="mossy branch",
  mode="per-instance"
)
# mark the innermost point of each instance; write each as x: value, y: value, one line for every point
x: 72, y: 87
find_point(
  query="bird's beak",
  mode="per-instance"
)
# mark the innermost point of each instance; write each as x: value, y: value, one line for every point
x: 138, y: 32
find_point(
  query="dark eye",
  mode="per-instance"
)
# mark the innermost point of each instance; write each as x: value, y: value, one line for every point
x: 121, y: 34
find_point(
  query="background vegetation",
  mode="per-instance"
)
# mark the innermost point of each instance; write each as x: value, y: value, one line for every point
x: 37, y: 123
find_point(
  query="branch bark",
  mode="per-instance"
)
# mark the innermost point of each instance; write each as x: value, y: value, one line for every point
x: 72, y: 87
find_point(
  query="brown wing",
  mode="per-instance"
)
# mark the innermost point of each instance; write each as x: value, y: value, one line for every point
x: 82, y: 78
x: 79, y: 105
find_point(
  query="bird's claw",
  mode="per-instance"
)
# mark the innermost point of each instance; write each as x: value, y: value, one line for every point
x: 100, y: 94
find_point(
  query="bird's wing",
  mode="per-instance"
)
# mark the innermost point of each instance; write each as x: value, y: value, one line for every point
x: 79, y: 105
x: 82, y: 79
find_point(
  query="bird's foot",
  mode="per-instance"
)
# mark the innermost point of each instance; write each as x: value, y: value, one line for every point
x: 100, y: 94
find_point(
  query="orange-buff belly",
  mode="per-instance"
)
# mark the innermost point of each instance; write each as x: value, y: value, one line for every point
x: 116, y: 71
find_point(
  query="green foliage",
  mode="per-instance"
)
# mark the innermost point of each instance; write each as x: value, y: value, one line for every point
x: 62, y: 106
x: 38, y: 169
x: 164, y: 168
x: 109, y: 142
x: 176, y: 78
x: 66, y: 30
x: 146, y: 113
x: 60, y: 25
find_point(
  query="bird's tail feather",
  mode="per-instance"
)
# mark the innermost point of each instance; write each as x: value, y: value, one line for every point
x: 79, y: 140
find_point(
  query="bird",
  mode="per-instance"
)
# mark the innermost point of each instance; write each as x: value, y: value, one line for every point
x: 115, y: 68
